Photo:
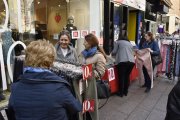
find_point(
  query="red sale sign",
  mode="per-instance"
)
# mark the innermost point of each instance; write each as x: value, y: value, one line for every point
x: 88, y: 106
x: 87, y: 71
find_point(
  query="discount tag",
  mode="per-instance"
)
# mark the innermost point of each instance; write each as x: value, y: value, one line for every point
x: 87, y: 71
x: 88, y: 106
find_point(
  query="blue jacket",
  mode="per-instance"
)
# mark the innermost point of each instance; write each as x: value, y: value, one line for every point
x: 42, y: 96
x: 153, y: 45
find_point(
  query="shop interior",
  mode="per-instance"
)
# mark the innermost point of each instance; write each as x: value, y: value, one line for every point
x: 2, y: 13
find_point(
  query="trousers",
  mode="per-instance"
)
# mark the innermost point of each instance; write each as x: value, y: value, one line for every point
x: 124, y: 70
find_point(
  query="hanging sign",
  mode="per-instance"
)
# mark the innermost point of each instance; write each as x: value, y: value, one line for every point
x: 84, y: 33
x: 87, y: 71
x: 111, y: 74
x: 88, y: 106
x: 75, y: 34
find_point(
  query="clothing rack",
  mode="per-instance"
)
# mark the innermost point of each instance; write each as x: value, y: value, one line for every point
x: 172, y: 44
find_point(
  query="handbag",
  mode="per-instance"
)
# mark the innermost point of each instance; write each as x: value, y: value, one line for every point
x: 103, y: 89
x: 156, y: 59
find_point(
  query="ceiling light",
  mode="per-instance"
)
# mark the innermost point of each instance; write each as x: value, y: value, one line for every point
x: 59, y: 5
x: 39, y: 2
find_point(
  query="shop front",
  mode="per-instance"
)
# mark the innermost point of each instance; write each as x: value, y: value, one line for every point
x: 122, y: 18
x: 34, y: 19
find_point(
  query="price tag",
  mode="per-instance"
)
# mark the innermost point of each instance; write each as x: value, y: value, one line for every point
x: 111, y: 74
x: 87, y: 71
x: 88, y: 106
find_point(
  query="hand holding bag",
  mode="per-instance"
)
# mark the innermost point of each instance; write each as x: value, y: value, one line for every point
x: 103, y: 89
x: 156, y: 59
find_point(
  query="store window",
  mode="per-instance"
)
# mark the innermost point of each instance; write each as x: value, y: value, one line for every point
x: 35, y: 19
x: 2, y: 14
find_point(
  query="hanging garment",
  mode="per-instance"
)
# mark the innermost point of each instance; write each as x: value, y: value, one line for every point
x: 18, y: 67
x: 177, y: 63
x: 6, y: 43
x: 162, y: 67
x: 144, y: 59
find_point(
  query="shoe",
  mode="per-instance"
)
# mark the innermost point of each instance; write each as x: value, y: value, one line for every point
x: 143, y: 86
x: 120, y: 94
x: 147, y: 90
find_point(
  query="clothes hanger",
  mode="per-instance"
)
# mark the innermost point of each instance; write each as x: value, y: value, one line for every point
x: 9, y: 55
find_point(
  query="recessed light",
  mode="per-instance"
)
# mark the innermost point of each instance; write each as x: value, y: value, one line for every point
x: 39, y: 2
x: 59, y: 5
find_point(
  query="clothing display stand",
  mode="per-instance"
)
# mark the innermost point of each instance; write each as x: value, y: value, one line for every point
x: 9, y: 55
x: 172, y: 44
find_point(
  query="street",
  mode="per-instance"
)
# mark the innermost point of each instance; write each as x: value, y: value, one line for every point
x: 139, y: 105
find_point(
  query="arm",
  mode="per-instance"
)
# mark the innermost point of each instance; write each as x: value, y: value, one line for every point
x: 71, y: 104
x: 100, y: 66
x: 115, y: 49
x: 155, y: 49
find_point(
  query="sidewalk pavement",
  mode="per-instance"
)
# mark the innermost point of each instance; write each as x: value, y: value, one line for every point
x: 139, y: 105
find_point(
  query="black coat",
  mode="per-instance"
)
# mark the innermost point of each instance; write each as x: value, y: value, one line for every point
x: 173, y: 104
x: 42, y: 96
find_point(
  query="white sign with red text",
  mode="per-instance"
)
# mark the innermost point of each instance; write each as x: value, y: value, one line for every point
x: 84, y: 33
x: 111, y: 74
x: 75, y: 34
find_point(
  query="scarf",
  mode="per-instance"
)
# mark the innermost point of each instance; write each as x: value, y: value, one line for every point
x: 90, y: 52
x: 33, y: 69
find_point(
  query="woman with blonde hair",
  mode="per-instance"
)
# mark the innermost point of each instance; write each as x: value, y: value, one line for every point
x: 40, y: 94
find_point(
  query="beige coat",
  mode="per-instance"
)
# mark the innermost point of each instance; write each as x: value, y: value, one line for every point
x: 99, y: 62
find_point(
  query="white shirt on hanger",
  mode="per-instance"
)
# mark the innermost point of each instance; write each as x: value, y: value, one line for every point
x: 64, y: 51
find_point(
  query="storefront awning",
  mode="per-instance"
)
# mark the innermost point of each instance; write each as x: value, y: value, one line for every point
x: 167, y: 2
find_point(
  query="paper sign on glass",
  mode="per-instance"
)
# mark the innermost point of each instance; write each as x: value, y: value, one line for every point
x: 75, y: 34
x: 84, y: 33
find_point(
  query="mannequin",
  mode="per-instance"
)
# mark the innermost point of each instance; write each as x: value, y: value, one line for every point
x: 70, y: 27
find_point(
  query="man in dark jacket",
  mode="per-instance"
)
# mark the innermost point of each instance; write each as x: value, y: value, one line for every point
x: 173, y: 104
x: 40, y: 94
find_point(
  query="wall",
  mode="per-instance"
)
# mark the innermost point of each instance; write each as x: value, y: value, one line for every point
x: 174, y: 13
x: 132, y: 26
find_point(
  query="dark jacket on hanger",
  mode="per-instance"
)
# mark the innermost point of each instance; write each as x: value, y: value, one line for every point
x: 173, y: 104
x: 42, y: 96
